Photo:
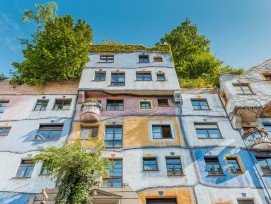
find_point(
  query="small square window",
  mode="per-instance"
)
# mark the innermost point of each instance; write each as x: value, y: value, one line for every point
x: 233, y: 165
x: 3, y: 106
x: 49, y: 132
x: 157, y: 59
x: 26, y: 168
x: 143, y: 58
x: 162, y: 102
x: 114, y: 105
x: 200, y: 104
x: 88, y: 131
x: 213, y: 166
x: 4, y: 131
x: 106, y: 58
x: 207, y: 131
x: 145, y: 105
x: 62, y: 104
x: 117, y: 79
x: 100, y: 76
x: 242, y: 89
x: 161, y: 132
x: 174, y: 166
x: 150, y: 164
x: 41, y: 105
x: 143, y: 76
x: 267, y: 76
x: 161, y: 77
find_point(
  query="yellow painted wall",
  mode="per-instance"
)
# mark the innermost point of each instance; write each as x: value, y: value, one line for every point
x: 135, y: 131
x: 182, y: 195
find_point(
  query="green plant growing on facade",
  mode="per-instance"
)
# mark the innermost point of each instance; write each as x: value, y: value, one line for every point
x: 194, y: 63
x: 3, y: 77
x: 58, y: 49
x: 77, y: 166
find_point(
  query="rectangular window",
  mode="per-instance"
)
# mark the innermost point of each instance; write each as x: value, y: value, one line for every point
x: 114, y: 178
x: 145, y: 105
x: 3, y: 106
x: 161, y: 132
x: 26, y: 168
x: 100, y: 76
x: 213, y: 166
x: 62, y: 104
x: 201, y: 104
x: 242, y: 89
x: 114, y: 105
x: 245, y: 201
x: 162, y: 102
x: 113, y: 136
x: 4, y: 131
x: 157, y: 59
x: 41, y: 105
x: 143, y: 76
x: 143, y: 58
x: 150, y: 164
x: 174, y: 166
x: 49, y: 132
x: 106, y: 58
x: 161, y: 77
x: 88, y: 131
x: 209, y: 131
x: 161, y: 201
x: 265, y: 164
x: 44, y: 171
x: 117, y: 79
x: 233, y: 165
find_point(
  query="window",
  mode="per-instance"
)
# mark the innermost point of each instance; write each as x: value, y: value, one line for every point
x: 242, y: 88
x: 4, y: 131
x: 49, y: 132
x: 200, y: 104
x: 150, y: 164
x: 245, y: 201
x: 26, y: 168
x: 114, y: 105
x: 174, y: 166
x: 88, y: 131
x: 106, y: 58
x: 100, y: 76
x: 62, y: 104
x: 157, y: 59
x: 143, y: 76
x: 162, y: 102
x: 143, y: 58
x: 209, y: 131
x: 114, y: 178
x: 224, y: 97
x: 3, y: 106
x: 213, y: 166
x: 268, y: 129
x: 117, y: 79
x: 113, y: 136
x: 161, y: 201
x: 44, y: 171
x: 145, y: 105
x: 41, y: 105
x: 233, y: 165
x: 265, y: 164
x: 161, y: 132
x: 161, y: 77
x: 267, y: 76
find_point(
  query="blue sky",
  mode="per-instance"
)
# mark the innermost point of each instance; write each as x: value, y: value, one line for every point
x: 239, y: 30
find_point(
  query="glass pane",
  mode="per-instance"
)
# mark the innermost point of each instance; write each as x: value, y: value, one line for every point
x: 55, y: 134
x: 43, y: 134
x: 21, y: 171
x: 214, y: 133
x: 202, y: 133
x: 29, y: 171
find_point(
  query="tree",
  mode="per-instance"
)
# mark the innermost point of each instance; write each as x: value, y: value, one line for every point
x: 76, y: 166
x: 58, y: 49
x: 194, y: 63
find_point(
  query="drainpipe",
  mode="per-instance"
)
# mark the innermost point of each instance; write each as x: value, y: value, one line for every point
x: 249, y: 152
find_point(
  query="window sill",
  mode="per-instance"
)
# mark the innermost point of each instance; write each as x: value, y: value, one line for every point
x: 113, y: 147
x: 202, y: 109
x: 117, y: 85
x: 203, y: 138
x: 38, y: 110
x: 17, y: 177
x: 144, y: 170
x: 45, y: 139
x: 170, y: 175
x: 60, y: 109
x: 161, y: 80
x: 216, y: 175
x: 237, y: 173
x: 98, y: 80
x: 143, y: 80
x: 115, y: 110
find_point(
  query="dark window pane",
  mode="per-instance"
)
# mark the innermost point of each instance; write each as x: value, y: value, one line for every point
x: 41, y: 105
x: 145, y: 105
x: 99, y: 76
x: 161, y: 77
x: 4, y: 131
x: 106, y: 58
x: 200, y: 104
x: 62, y: 104
x: 145, y: 76
x: 114, y: 105
x: 162, y: 102
x: 157, y: 59
x: 3, y: 105
x: 117, y: 79
x: 143, y: 58
x: 161, y: 131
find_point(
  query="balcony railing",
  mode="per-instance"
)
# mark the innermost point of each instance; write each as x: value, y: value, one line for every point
x: 258, y: 139
x: 91, y: 110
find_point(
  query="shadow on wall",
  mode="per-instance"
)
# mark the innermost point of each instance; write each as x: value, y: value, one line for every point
x: 14, y: 198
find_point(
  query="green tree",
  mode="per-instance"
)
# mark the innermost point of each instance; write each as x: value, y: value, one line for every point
x: 77, y: 166
x: 194, y: 63
x: 58, y: 49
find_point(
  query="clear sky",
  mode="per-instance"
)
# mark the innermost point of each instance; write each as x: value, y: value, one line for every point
x: 239, y: 30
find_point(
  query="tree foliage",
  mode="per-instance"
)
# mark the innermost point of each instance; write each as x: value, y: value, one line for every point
x: 58, y: 50
x: 77, y: 167
x: 194, y: 63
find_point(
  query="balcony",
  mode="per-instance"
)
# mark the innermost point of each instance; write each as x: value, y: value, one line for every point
x: 257, y: 139
x: 91, y: 111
